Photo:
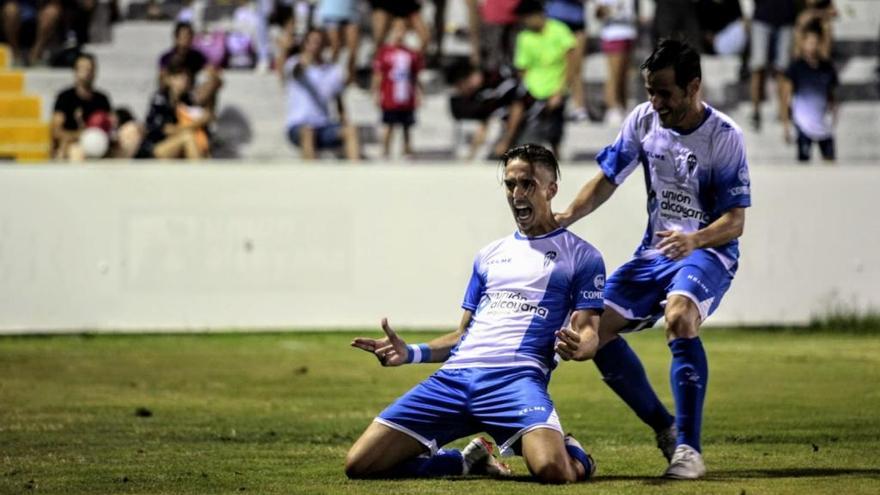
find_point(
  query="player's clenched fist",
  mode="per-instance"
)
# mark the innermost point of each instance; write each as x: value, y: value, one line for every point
x: 390, y: 351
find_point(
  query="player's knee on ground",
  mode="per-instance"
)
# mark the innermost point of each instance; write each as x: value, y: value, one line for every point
x: 554, y: 473
x: 682, y: 319
x: 357, y: 465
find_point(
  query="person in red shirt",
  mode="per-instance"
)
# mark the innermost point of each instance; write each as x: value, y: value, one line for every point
x: 396, y: 85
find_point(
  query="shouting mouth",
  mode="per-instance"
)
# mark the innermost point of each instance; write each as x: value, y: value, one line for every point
x: 522, y: 213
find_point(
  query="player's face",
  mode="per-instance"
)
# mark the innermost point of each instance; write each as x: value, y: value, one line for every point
x: 529, y: 191
x: 669, y: 100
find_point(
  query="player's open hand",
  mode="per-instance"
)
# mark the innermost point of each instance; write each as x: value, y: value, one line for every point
x: 570, y: 346
x: 390, y: 351
x: 676, y: 245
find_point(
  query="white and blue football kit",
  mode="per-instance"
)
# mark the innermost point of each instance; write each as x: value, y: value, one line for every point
x: 692, y: 178
x: 521, y: 292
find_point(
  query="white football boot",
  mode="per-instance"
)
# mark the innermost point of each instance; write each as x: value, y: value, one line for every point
x: 478, y: 459
x: 686, y: 464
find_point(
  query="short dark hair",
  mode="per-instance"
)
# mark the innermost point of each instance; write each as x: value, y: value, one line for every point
x: 814, y: 27
x: 533, y: 154
x: 84, y: 55
x: 180, y: 26
x: 526, y: 7
x: 458, y: 71
x: 677, y: 54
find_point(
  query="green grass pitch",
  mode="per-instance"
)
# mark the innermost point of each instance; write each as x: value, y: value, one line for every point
x: 786, y: 413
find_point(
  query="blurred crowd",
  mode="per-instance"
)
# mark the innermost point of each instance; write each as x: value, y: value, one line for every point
x: 524, y: 68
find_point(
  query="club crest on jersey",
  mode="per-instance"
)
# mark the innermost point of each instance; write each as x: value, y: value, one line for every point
x: 685, y: 164
x: 549, y: 256
x: 599, y: 281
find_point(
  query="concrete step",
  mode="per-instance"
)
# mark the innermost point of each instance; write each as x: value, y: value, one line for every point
x: 5, y: 56
x: 24, y: 152
x: 11, y: 81
x: 19, y: 106
x: 24, y: 131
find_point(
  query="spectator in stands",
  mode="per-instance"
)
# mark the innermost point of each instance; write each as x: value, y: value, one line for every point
x: 435, y: 58
x: 75, y: 108
x: 808, y: 88
x: 339, y: 20
x: 676, y: 19
x: 493, y: 26
x: 544, y: 55
x: 770, y: 49
x: 385, y: 11
x: 822, y: 11
x: 46, y: 15
x: 723, y: 25
x: 618, y: 36
x: 396, y: 86
x: 479, y: 95
x: 205, y: 77
x: 176, y: 125
x: 573, y: 14
x: 311, y: 86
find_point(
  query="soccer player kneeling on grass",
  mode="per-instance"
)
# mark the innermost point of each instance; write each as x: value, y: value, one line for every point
x: 524, y: 289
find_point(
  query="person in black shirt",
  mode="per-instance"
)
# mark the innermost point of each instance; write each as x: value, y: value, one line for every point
x: 183, y: 54
x: 808, y: 90
x: 75, y: 107
x: 175, y: 127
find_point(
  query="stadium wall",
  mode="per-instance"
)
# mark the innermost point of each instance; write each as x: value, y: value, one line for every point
x: 230, y: 246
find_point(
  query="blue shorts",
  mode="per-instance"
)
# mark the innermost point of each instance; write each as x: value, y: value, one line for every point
x: 328, y: 136
x: 638, y: 290
x: 504, y: 402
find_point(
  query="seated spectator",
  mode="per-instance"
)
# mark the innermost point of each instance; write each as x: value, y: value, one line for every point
x: 544, y: 53
x: 176, y: 127
x: 396, y: 86
x: 184, y: 55
x: 340, y: 20
x: 808, y: 88
x: 573, y: 14
x: 46, y: 15
x: 479, y: 95
x: 311, y: 85
x: 723, y: 25
x: 74, y: 108
x: 618, y: 36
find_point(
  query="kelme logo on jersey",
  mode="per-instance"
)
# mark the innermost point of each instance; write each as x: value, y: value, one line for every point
x: 549, y: 256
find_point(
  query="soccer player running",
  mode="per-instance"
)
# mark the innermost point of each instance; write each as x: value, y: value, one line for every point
x: 697, y: 181
x: 523, y: 290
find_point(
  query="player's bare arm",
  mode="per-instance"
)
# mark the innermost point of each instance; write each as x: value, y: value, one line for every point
x: 392, y: 350
x: 727, y: 227
x: 591, y: 196
x: 581, y: 341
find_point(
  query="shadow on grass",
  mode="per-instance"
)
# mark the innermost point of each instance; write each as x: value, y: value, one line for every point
x: 724, y: 475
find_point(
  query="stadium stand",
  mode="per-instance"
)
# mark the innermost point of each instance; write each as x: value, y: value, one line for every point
x: 250, y: 120
x: 24, y: 134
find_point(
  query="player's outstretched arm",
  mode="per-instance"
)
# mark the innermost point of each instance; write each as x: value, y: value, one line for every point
x: 591, y: 196
x: 581, y: 341
x: 678, y: 245
x: 393, y: 351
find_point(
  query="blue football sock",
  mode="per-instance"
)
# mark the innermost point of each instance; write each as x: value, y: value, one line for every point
x: 624, y: 373
x: 446, y: 462
x: 689, y: 376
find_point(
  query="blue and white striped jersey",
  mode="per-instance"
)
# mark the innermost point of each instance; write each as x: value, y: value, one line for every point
x: 692, y: 177
x: 521, y: 292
